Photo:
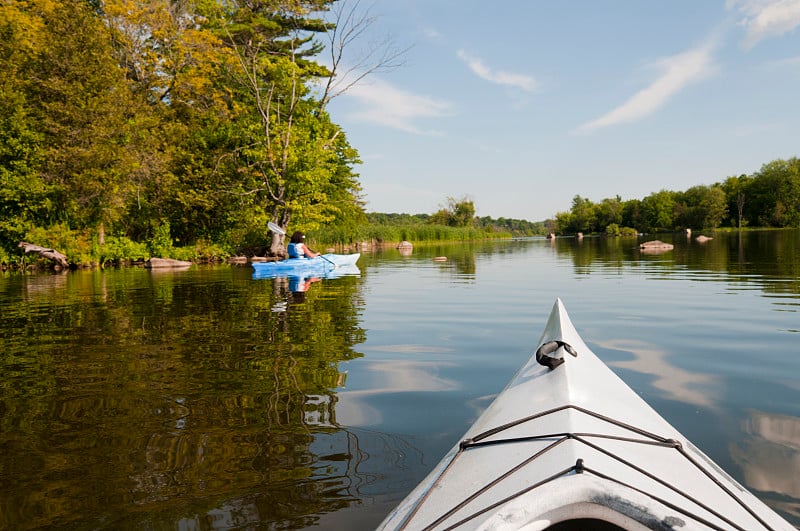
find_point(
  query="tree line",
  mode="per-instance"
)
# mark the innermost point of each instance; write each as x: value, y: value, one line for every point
x: 769, y: 197
x: 127, y: 126
x: 461, y: 212
x: 136, y: 128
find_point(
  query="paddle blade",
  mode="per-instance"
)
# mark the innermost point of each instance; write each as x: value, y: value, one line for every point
x: 274, y: 228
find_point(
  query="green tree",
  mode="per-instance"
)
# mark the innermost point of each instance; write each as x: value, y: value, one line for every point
x: 562, y: 223
x: 714, y: 207
x: 24, y: 198
x: 658, y: 209
x: 583, y: 217
x: 178, y: 67
x: 291, y: 157
x: 633, y: 214
x: 608, y: 212
x: 80, y: 90
x: 457, y: 213
x: 736, y: 192
x: 775, y: 194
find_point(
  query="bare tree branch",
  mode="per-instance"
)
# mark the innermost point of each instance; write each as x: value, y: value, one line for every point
x: 349, y: 25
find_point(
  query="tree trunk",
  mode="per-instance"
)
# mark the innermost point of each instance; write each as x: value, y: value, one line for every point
x: 740, y: 207
x: 277, y: 248
x: 51, y: 254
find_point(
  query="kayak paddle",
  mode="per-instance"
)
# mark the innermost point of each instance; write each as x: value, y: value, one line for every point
x: 274, y: 228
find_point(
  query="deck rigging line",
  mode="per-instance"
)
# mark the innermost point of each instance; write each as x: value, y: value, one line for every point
x: 649, y: 438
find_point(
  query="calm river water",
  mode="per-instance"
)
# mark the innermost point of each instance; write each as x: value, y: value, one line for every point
x: 207, y: 399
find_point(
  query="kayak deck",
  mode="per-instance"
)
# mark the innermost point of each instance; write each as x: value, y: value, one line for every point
x: 575, y: 442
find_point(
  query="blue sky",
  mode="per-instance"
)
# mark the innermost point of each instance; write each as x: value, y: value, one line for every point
x: 522, y: 104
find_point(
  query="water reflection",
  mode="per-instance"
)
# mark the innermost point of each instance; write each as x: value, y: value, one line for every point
x: 770, y: 258
x: 770, y: 456
x: 207, y: 399
x: 676, y: 383
x: 171, y: 393
x: 298, y: 284
x: 387, y: 377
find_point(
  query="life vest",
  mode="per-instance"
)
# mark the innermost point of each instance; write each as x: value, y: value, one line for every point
x: 296, y: 250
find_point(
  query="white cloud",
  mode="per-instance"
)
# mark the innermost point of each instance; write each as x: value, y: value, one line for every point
x: 766, y: 18
x: 384, y: 104
x: 432, y: 33
x: 499, y: 77
x: 678, y: 72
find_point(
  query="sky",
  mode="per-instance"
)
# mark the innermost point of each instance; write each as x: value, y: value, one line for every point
x: 520, y: 105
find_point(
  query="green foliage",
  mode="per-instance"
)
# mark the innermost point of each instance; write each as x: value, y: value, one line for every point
x: 160, y: 244
x: 774, y: 195
x: 378, y: 218
x: 768, y: 198
x: 202, y: 250
x: 700, y: 206
x: 121, y: 114
x: 118, y: 249
x: 457, y: 213
x: 76, y: 245
x: 396, y: 233
x: 614, y: 230
x: 394, y: 228
x: 511, y: 226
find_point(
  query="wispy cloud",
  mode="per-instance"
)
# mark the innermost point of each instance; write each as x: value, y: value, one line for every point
x: 787, y: 62
x: 677, y: 73
x: 386, y: 105
x: 766, y: 18
x: 520, y: 81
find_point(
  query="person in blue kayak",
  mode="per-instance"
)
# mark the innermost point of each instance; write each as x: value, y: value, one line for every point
x: 297, y: 247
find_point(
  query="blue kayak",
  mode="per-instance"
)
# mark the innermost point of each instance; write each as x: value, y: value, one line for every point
x: 324, y: 265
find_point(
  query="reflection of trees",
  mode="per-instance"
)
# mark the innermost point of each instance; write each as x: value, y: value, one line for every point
x: 741, y: 256
x: 176, y: 395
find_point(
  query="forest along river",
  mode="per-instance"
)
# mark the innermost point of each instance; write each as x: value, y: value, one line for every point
x: 207, y: 399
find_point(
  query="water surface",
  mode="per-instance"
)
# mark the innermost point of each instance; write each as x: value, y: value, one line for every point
x: 207, y: 399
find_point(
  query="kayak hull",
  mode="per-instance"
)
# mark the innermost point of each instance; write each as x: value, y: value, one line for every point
x: 575, y: 442
x: 307, y: 267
